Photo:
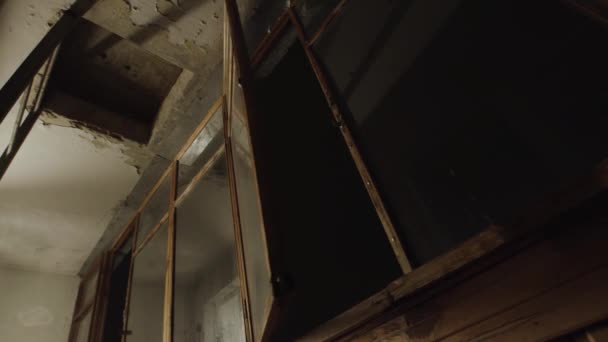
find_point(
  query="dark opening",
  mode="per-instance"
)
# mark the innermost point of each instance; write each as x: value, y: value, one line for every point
x: 113, y: 326
x: 470, y: 112
x: 333, y: 245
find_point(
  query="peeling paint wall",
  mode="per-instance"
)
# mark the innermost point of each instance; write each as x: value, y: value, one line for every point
x: 36, y: 307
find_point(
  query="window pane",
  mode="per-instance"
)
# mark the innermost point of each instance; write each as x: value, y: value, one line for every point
x: 82, y: 331
x: 145, y: 322
x: 154, y: 211
x: 262, y: 15
x: 202, y: 149
x: 468, y: 124
x: 315, y: 200
x: 312, y: 13
x: 258, y: 272
x: 207, y: 296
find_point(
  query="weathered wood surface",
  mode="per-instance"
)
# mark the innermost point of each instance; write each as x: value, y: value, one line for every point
x: 550, y: 289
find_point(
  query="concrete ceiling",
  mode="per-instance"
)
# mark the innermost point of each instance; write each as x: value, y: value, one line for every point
x: 58, y: 196
x: 68, y: 182
x: 73, y: 186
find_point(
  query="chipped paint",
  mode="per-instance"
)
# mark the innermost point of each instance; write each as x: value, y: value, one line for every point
x: 135, y: 154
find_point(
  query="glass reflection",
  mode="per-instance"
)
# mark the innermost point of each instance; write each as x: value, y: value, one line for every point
x: 154, y: 211
x: 88, y: 290
x: 202, y: 149
x: 207, y: 304
x: 145, y: 322
x: 258, y: 272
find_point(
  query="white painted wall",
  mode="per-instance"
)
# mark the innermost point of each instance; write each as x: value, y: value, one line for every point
x: 36, y: 307
x: 62, y: 189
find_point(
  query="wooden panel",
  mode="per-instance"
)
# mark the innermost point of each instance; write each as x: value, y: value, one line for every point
x: 550, y: 289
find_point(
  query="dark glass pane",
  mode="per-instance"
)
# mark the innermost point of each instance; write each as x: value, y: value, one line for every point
x: 117, y: 294
x: 469, y: 112
x: 258, y: 17
x: 312, y: 13
x: 124, y: 252
x: 145, y: 321
x: 8, y: 125
x: 83, y: 327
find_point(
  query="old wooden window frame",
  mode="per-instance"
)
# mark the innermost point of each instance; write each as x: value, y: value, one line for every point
x: 475, y: 249
x: 238, y: 67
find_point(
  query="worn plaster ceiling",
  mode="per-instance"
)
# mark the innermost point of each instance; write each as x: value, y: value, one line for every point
x: 69, y: 179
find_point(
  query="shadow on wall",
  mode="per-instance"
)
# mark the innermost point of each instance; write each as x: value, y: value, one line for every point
x: 174, y: 13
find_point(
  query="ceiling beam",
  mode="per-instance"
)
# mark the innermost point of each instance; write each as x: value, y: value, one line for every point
x: 22, y: 77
